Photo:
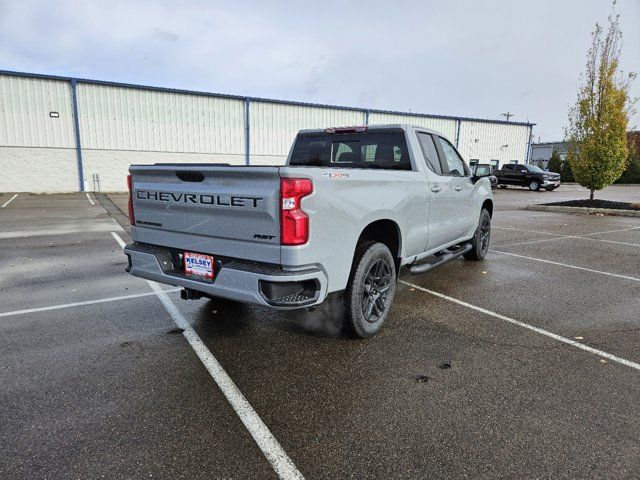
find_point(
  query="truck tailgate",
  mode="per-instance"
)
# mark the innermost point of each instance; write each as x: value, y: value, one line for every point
x: 220, y: 210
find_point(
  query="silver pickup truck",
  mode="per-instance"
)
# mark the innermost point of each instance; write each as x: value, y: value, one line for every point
x: 350, y: 207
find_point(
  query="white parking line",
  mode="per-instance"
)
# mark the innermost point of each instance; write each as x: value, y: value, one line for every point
x: 568, y: 266
x: 9, y: 201
x: 68, y: 229
x: 569, y: 236
x: 528, y: 231
x: 80, y: 304
x: 614, y: 231
x: 540, y: 331
x: 533, y: 241
x: 275, y: 454
x: 563, y: 236
x: 90, y: 201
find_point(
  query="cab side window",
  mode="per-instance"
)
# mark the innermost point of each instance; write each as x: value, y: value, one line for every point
x: 430, y: 152
x: 453, y: 160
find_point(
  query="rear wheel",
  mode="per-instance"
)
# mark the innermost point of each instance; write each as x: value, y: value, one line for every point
x: 534, y: 186
x: 502, y: 186
x: 370, y: 290
x: 481, y: 238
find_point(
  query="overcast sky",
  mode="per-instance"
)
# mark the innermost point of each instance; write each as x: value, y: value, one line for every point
x: 468, y: 58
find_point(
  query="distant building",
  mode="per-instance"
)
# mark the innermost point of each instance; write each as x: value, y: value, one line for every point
x: 541, y: 152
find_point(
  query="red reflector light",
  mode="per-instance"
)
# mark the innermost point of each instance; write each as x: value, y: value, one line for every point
x: 294, y: 222
x: 132, y: 219
x: 359, y: 129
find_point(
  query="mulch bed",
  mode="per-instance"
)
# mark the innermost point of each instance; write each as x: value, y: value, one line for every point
x: 597, y: 204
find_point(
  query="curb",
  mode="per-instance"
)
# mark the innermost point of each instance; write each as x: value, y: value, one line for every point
x: 587, y: 210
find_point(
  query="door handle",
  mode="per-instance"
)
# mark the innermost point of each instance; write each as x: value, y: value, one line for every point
x: 458, y: 189
x: 436, y: 189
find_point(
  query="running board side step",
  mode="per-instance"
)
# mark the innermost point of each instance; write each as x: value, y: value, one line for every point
x: 441, y: 259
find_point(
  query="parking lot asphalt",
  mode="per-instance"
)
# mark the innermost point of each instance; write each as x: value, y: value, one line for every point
x: 472, y: 377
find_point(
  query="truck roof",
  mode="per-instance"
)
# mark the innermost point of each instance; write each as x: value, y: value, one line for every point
x: 402, y: 126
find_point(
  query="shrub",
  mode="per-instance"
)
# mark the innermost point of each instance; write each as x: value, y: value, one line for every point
x: 555, y: 162
x: 632, y: 172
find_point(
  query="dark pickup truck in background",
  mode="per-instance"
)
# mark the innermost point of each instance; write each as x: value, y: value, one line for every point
x: 530, y: 176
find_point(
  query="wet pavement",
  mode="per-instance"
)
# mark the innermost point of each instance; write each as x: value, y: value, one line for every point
x: 446, y: 390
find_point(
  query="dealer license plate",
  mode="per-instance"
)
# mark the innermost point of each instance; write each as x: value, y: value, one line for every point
x: 198, y: 264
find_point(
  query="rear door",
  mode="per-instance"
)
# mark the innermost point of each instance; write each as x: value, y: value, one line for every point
x: 461, y: 187
x: 507, y: 175
x: 219, y: 210
x: 520, y: 175
x: 442, y: 208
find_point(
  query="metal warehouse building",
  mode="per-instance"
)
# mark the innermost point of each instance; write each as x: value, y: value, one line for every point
x: 60, y: 134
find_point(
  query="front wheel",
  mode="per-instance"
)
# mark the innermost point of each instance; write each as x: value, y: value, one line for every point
x: 534, y: 186
x: 370, y: 290
x: 481, y: 238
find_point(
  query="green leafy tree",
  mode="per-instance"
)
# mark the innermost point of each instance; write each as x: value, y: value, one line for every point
x: 555, y: 162
x: 598, y: 122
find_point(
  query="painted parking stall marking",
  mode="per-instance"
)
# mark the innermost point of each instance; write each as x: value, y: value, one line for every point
x: 616, y: 275
x: 271, y: 448
x: 4, y: 205
x: 90, y: 199
x: 560, y: 236
x: 540, y: 331
x: 80, y: 304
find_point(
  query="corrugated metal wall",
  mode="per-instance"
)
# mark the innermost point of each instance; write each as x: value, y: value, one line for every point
x: 115, y: 118
x: 37, y: 151
x: 443, y: 125
x: 25, y: 104
x: 274, y: 125
x: 120, y: 125
x: 488, y: 141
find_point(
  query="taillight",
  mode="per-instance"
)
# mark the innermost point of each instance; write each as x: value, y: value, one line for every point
x: 132, y: 219
x: 294, y: 223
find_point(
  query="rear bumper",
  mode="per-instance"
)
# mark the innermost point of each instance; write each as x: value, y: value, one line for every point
x: 248, y: 282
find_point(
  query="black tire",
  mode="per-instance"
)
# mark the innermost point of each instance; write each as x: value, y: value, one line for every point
x: 370, y: 291
x: 534, y: 186
x: 481, y: 238
x: 502, y: 186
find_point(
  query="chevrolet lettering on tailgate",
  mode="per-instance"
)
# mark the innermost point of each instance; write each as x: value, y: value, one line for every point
x: 204, y: 199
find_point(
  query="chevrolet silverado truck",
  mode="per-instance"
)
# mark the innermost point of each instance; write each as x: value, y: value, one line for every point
x: 350, y: 207
x: 529, y: 176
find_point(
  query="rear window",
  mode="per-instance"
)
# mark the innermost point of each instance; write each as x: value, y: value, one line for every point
x: 384, y: 150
